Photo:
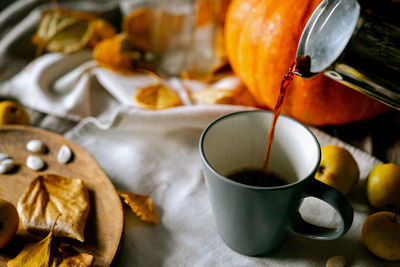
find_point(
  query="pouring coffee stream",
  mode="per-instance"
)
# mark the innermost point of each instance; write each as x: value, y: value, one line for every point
x: 353, y: 42
x: 300, y: 67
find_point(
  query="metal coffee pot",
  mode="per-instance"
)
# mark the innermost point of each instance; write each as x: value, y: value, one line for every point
x: 358, y: 44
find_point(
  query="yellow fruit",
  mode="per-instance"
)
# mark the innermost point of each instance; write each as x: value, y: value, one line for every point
x: 381, y: 235
x: 9, y: 221
x: 338, y: 168
x: 383, y: 186
x: 12, y: 113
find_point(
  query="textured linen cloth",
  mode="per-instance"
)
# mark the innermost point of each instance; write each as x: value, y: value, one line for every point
x: 156, y: 153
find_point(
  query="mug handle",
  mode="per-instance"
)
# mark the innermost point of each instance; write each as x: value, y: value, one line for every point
x: 334, y: 198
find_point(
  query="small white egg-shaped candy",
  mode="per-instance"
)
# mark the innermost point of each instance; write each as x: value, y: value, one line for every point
x: 64, y: 154
x: 4, y: 156
x: 34, y: 162
x: 35, y: 146
x: 6, y: 165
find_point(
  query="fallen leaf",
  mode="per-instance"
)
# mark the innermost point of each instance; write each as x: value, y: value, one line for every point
x: 48, y: 195
x: 72, y: 39
x: 210, y: 96
x: 101, y: 30
x: 121, y: 55
x: 79, y: 260
x: 157, y: 96
x: 141, y: 205
x: 108, y: 54
x: 137, y: 26
x: 35, y: 254
x: 49, y: 252
x: 67, y: 31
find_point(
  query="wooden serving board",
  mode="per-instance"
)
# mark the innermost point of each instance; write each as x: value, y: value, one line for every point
x: 105, y: 222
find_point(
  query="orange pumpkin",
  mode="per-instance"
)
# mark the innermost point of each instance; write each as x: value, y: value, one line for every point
x: 261, y: 42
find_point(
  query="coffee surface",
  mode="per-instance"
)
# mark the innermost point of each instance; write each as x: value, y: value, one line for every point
x: 257, y: 177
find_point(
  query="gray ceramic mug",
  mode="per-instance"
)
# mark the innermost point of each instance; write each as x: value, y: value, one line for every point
x: 255, y: 220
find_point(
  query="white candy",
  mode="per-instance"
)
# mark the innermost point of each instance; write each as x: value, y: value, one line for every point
x: 4, y: 156
x: 64, y: 154
x: 35, y: 146
x: 6, y: 165
x: 34, y: 162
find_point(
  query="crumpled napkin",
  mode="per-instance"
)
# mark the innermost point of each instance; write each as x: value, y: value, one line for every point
x: 156, y: 153
x: 74, y: 86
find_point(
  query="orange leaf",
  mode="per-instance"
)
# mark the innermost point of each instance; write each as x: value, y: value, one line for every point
x: 141, y: 205
x: 137, y: 26
x: 108, y: 54
x: 157, y: 96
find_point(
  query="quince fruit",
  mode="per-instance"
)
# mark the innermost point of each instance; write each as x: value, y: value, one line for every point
x: 381, y: 235
x: 13, y: 113
x: 9, y: 221
x: 338, y: 168
x: 383, y: 186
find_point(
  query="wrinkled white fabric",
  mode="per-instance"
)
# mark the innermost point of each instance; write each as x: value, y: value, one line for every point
x: 156, y: 153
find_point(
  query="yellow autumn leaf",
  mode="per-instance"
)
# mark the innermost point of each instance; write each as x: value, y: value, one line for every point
x: 35, y: 254
x: 49, y: 252
x: 141, y: 205
x: 67, y: 31
x: 214, y: 96
x: 72, y: 39
x: 157, y: 96
x: 48, y: 195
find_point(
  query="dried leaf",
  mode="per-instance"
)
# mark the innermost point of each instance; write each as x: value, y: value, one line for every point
x: 35, y: 254
x: 157, y: 96
x: 68, y: 31
x: 137, y: 26
x: 62, y: 254
x: 71, y: 39
x: 141, y: 205
x: 214, y: 96
x: 101, y: 30
x: 49, y: 252
x: 78, y: 260
x: 48, y: 195
x: 121, y: 55
x: 108, y: 54
x: 242, y: 96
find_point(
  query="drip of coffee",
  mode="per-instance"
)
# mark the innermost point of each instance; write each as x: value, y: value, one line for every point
x: 301, y: 66
x: 257, y: 177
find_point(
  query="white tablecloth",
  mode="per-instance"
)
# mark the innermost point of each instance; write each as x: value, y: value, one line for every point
x: 156, y: 153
